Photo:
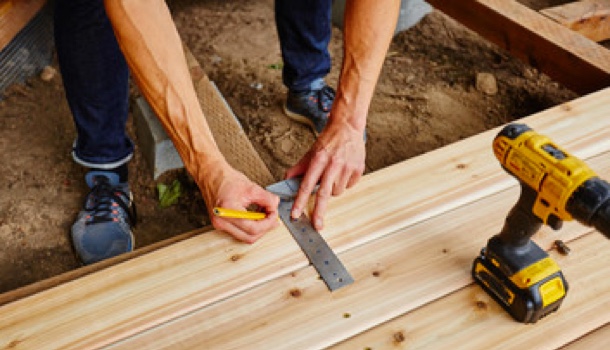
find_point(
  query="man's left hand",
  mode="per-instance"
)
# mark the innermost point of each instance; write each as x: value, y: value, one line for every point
x: 335, y: 162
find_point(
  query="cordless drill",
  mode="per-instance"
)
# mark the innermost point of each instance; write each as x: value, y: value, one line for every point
x: 555, y: 187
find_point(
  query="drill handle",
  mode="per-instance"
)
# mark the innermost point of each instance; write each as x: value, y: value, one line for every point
x: 521, y: 223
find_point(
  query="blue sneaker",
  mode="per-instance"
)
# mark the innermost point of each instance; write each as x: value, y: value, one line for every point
x: 103, y: 227
x: 310, y: 107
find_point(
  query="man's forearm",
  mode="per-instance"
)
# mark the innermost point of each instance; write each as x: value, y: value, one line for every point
x: 368, y: 29
x: 153, y: 49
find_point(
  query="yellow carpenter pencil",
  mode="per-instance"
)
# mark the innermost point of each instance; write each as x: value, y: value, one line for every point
x: 238, y: 214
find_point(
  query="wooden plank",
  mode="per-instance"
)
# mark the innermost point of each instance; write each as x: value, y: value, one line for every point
x: 598, y: 339
x: 566, y: 56
x: 49, y: 283
x: 470, y: 318
x: 589, y: 18
x: 394, y: 275
x: 141, y: 293
x: 14, y: 15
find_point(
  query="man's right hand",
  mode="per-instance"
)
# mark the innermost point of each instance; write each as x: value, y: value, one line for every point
x: 228, y: 188
x: 152, y: 47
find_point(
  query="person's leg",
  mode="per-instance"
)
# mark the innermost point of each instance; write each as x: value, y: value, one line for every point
x: 95, y: 77
x: 304, y: 30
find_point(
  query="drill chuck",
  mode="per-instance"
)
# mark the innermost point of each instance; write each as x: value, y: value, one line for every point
x: 590, y: 205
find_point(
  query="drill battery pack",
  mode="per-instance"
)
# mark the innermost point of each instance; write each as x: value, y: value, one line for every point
x: 530, y: 290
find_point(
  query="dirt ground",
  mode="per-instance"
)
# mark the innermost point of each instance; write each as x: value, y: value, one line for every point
x: 426, y: 98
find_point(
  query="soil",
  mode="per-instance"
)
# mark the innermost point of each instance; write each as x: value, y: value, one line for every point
x: 427, y: 97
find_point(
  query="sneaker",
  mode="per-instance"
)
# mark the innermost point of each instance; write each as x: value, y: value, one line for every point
x: 103, y: 227
x: 310, y: 107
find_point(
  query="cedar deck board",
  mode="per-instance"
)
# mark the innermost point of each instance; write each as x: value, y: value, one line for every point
x: 564, y: 55
x: 139, y: 294
x: 54, y: 281
x: 413, y: 271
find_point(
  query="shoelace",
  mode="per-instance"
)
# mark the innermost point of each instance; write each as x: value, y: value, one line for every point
x: 326, y: 96
x: 106, y: 203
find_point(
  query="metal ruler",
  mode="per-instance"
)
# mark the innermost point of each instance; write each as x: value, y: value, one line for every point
x: 321, y: 256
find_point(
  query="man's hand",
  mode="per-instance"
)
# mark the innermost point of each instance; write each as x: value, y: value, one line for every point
x: 335, y: 161
x: 228, y: 188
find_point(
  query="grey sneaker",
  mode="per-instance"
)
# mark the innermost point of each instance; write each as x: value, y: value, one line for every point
x: 103, y: 227
x: 310, y: 107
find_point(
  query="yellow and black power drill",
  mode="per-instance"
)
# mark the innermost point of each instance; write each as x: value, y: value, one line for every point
x: 555, y: 187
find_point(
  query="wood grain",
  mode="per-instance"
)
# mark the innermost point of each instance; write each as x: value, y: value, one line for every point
x: 54, y: 281
x: 599, y: 338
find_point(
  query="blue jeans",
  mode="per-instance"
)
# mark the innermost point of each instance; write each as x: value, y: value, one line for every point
x: 96, y: 82
x: 304, y: 29
x: 96, y: 76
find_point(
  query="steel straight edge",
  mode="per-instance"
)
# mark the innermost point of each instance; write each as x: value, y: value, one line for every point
x: 141, y: 293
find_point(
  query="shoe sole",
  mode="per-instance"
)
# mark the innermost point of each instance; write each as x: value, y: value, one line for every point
x: 300, y: 119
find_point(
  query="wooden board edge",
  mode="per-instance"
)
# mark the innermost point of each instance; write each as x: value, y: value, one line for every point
x: 40, y: 286
x: 597, y: 339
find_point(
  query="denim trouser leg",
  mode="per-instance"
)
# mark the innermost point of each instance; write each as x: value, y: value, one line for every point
x: 96, y: 81
x: 304, y: 30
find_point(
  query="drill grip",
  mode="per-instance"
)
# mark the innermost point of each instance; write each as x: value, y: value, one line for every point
x: 521, y: 224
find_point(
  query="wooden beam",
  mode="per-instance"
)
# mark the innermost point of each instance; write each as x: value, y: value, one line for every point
x: 142, y: 293
x: 14, y: 15
x: 589, y: 18
x: 566, y: 56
